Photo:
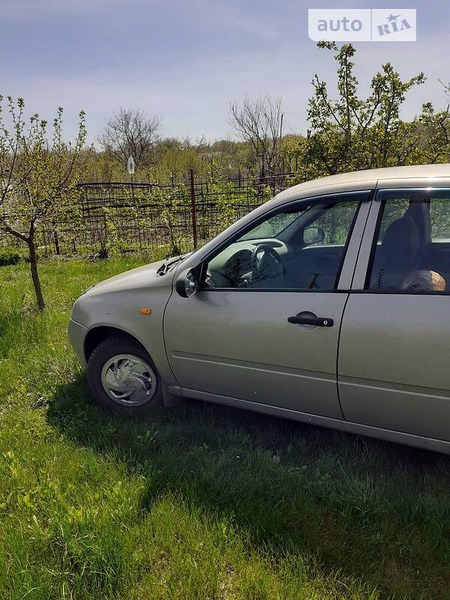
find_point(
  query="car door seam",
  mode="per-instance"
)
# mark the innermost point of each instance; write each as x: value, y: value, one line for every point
x: 370, y: 200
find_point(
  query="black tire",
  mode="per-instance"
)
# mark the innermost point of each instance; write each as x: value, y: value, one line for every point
x: 113, y: 351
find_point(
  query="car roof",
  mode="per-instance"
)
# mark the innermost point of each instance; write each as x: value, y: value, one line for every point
x: 367, y: 179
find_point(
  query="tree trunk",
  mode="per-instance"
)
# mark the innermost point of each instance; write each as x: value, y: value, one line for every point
x: 35, y: 274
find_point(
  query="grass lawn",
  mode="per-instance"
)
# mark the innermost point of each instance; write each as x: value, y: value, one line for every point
x: 198, y: 501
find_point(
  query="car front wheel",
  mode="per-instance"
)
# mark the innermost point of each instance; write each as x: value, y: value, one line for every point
x: 122, y: 377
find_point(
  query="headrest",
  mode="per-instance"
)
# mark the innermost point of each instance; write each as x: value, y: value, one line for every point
x: 419, y: 210
x: 401, y: 237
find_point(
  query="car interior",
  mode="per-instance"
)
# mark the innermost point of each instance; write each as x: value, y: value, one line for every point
x: 301, y: 253
x: 407, y: 258
x: 296, y: 257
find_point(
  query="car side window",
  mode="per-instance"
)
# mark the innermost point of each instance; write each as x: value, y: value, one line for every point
x: 411, y: 252
x: 293, y: 248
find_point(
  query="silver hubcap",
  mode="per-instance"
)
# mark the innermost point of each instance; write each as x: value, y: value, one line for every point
x: 128, y: 380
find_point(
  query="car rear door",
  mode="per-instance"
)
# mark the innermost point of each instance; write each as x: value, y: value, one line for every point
x: 394, y: 354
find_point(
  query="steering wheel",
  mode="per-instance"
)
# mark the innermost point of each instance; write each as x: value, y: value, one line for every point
x: 267, y: 264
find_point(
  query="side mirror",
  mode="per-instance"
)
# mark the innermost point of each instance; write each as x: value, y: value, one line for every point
x: 187, y: 283
x: 313, y: 235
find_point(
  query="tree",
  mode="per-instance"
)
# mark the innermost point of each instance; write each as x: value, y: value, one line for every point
x: 350, y: 132
x: 427, y: 139
x: 130, y: 133
x: 38, y: 177
x: 260, y: 122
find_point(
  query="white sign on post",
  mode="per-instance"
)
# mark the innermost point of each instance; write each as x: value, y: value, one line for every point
x: 131, y: 166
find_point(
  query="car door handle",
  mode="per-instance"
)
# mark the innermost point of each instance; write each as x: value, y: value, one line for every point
x: 311, y: 319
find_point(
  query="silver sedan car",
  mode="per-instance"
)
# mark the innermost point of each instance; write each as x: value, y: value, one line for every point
x: 329, y: 304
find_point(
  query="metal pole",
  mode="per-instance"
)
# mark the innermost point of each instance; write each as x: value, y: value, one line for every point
x: 193, y: 209
x: 280, y: 141
x: 56, y: 240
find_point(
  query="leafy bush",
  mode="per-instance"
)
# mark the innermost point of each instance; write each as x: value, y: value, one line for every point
x: 9, y: 256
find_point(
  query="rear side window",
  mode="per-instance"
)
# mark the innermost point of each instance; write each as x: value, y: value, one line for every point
x: 411, y: 252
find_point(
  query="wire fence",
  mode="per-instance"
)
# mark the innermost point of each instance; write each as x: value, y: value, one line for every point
x: 154, y: 218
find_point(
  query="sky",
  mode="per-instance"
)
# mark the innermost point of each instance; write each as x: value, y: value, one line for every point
x: 185, y: 61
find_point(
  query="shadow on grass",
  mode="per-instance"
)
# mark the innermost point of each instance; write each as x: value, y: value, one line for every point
x: 375, y: 511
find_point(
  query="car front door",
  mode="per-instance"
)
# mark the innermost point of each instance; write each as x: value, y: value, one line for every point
x: 394, y: 354
x: 264, y: 326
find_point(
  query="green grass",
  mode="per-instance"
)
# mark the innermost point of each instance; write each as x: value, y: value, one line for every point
x: 198, y: 501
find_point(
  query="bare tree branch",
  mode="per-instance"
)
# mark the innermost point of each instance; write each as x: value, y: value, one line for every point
x: 259, y: 123
x: 130, y: 132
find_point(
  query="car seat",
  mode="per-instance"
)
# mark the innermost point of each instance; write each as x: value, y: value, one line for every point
x: 419, y: 210
x: 401, y: 254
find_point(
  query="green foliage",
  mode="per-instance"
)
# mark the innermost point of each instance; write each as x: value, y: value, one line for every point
x: 351, y: 132
x: 38, y: 176
x: 9, y: 256
x: 169, y: 200
x: 171, y: 160
x: 427, y: 139
x: 108, y: 233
